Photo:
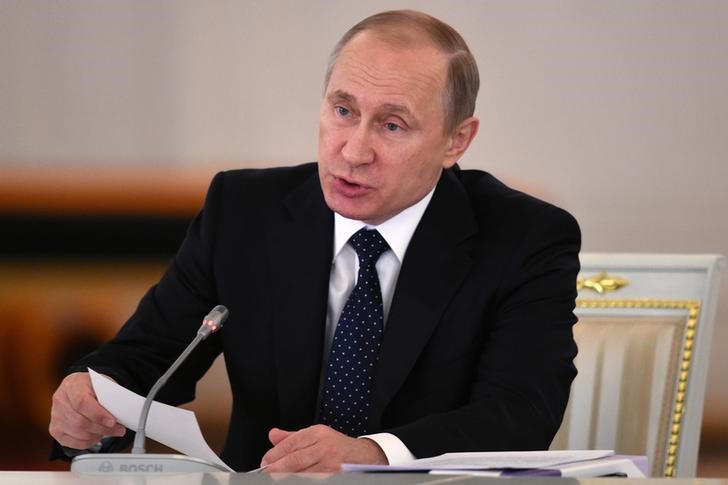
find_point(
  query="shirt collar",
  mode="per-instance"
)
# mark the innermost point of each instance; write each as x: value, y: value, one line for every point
x: 396, y: 230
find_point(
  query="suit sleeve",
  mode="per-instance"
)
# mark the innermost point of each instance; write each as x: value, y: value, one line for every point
x: 524, y: 367
x: 168, y: 317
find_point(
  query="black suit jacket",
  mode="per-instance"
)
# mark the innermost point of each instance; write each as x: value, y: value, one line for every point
x: 477, y: 350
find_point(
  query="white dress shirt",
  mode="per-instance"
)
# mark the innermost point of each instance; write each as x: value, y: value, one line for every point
x: 397, y: 231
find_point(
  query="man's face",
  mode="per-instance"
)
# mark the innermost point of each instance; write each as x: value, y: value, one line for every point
x: 381, y: 141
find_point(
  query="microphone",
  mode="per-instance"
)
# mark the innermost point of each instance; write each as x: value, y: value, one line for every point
x: 210, y: 324
x: 138, y: 461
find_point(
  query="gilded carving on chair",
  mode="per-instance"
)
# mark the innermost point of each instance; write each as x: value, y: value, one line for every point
x: 601, y: 283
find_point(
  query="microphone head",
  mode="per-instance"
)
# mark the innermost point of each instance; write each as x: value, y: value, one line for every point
x: 213, y: 321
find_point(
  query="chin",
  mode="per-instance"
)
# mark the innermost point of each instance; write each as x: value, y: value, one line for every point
x: 350, y: 211
x: 337, y: 203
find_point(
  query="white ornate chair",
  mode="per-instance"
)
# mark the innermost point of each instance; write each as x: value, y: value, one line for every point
x: 644, y: 332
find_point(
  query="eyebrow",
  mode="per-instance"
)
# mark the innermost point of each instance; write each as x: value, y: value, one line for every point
x: 340, y: 95
x: 343, y: 96
x: 395, y: 109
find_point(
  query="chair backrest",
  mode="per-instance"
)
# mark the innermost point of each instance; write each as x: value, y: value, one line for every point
x: 644, y: 331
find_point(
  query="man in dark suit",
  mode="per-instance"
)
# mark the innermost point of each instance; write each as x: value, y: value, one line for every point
x: 471, y: 288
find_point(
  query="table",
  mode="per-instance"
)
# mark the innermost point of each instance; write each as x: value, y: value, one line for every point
x: 68, y: 478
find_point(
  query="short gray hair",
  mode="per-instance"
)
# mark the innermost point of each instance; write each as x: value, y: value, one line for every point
x: 463, y: 80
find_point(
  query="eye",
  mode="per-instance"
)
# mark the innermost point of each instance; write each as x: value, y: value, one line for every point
x: 341, y: 111
x: 392, y: 126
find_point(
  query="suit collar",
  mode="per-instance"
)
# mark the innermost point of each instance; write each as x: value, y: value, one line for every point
x: 300, y: 278
x: 436, y: 262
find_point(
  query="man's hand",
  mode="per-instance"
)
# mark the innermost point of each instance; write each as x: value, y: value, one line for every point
x: 318, y: 449
x: 77, y: 419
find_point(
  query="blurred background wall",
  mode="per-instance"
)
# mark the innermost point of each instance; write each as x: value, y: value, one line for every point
x: 114, y: 116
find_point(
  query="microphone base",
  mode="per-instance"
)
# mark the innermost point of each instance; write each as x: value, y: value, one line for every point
x: 108, y: 463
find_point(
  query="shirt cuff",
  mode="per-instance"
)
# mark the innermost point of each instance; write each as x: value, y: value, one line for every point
x: 393, y: 448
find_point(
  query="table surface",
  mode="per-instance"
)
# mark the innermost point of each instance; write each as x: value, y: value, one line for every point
x: 67, y: 478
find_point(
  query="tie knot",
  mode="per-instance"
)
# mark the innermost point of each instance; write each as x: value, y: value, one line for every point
x: 368, y: 244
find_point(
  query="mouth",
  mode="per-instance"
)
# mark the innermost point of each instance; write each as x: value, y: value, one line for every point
x: 350, y: 188
x: 349, y: 182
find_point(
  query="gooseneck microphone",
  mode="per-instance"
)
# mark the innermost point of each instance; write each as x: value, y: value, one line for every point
x: 210, y: 324
x: 139, y: 461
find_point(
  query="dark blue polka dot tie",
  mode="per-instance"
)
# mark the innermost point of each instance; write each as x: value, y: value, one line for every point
x: 354, y: 352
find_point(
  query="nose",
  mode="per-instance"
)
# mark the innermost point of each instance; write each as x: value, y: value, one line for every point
x: 357, y: 149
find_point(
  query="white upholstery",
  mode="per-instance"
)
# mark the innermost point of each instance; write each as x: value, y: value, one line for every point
x: 643, y: 357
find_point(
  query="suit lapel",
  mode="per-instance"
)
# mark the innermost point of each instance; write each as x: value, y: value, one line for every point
x: 436, y: 262
x: 301, y: 246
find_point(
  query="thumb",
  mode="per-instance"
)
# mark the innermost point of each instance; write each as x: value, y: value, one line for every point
x: 276, y: 435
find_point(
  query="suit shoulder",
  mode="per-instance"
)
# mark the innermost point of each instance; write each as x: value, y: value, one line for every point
x: 489, y: 197
x: 260, y: 184
x: 268, y: 178
x: 252, y: 192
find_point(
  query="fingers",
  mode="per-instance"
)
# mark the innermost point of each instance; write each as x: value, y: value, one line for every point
x: 317, y: 449
x: 290, y: 451
x: 77, y: 419
x: 277, y: 435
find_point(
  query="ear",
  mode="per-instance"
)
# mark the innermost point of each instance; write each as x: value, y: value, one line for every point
x: 460, y: 140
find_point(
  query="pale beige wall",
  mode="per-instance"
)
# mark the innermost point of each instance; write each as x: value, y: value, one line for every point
x: 616, y: 110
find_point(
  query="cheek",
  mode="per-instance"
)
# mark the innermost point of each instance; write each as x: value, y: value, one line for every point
x: 415, y: 171
x: 325, y: 154
x: 329, y: 140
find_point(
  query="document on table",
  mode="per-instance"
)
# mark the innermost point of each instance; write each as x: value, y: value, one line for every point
x: 630, y: 466
x: 488, y: 460
x: 171, y: 426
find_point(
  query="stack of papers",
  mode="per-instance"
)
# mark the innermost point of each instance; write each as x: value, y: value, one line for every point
x: 566, y: 463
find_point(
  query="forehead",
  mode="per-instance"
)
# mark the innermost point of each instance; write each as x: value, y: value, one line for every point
x: 371, y: 68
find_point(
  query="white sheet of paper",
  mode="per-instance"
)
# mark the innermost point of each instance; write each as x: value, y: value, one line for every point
x: 600, y: 467
x: 490, y: 459
x: 171, y: 426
